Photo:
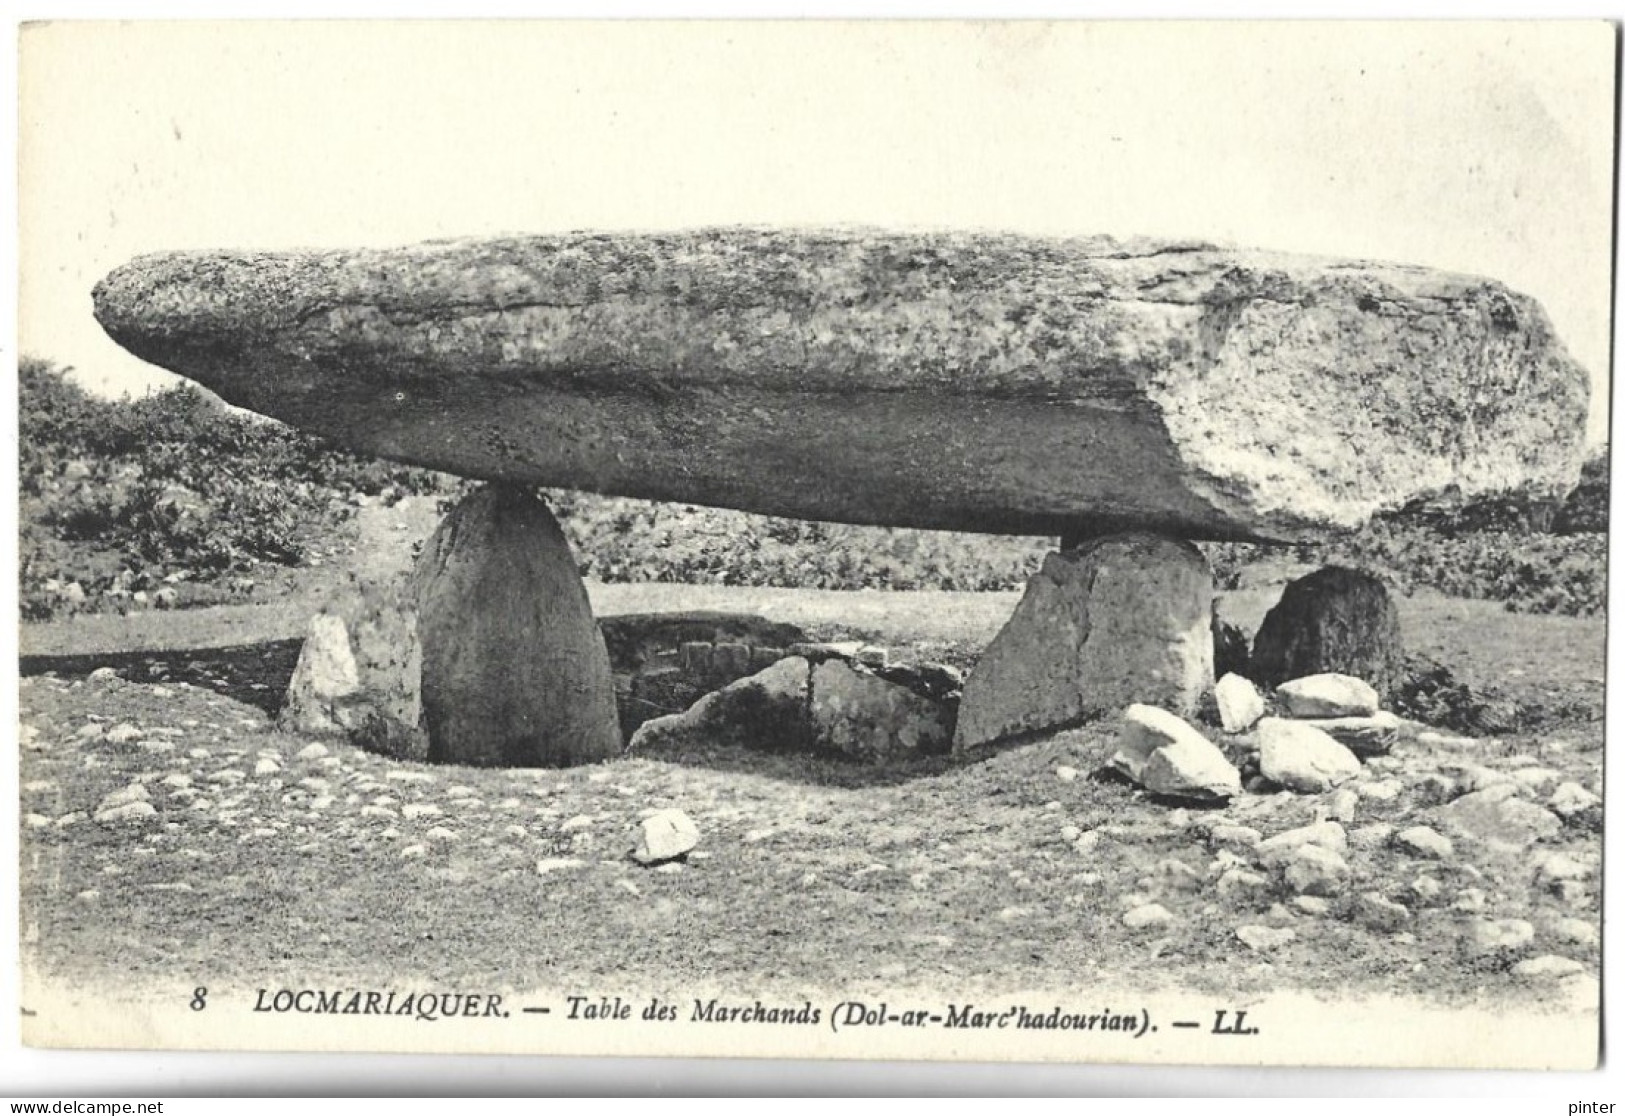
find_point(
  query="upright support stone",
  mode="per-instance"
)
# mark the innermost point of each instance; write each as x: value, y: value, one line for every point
x: 1120, y: 620
x: 515, y: 673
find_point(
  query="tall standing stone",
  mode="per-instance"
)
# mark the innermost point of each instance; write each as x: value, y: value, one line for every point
x: 1120, y: 620
x: 515, y: 673
x: 1333, y: 621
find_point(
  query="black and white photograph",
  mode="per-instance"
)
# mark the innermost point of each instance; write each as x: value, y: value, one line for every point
x: 1051, y: 541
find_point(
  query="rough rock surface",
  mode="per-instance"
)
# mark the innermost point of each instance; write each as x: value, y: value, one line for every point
x: 1364, y: 736
x: 665, y: 836
x: 1166, y: 756
x: 767, y: 711
x: 868, y: 718
x: 793, y: 706
x: 1302, y: 758
x: 1335, y: 620
x: 1496, y: 814
x: 385, y: 715
x: 999, y: 383
x: 1240, y: 704
x: 1327, y: 695
x: 323, y: 678
x: 514, y: 669
x: 1120, y: 620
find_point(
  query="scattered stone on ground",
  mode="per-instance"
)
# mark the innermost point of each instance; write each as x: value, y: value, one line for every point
x: 1302, y: 758
x: 665, y: 836
x: 1167, y: 756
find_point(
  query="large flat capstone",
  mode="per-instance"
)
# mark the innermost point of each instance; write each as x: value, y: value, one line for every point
x: 961, y: 381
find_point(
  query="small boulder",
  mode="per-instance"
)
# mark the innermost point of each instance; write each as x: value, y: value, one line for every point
x: 1147, y: 916
x: 1327, y: 835
x: 766, y: 711
x: 665, y: 836
x: 1314, y: 870
x: 868, y: 718
x: 1266, y: 939
x: 127, y: 812
x: 1302, y: 758
x: 1424, y: 841
x: 323, y: 678
x: 1576, y: 805
x: 1548, y: 966
x: 1240, y: 704
x: 1505, y: 935
x: 1167, y: 756
x: 135, y: 792
x: 1498, y: 816
x: 1379, y: 912
x: 1327, y: 695
x: 1335, y: 619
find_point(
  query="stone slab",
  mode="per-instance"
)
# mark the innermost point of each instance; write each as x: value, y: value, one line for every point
x: 982, y: 382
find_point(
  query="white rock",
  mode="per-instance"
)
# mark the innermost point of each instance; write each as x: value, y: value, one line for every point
x: 557, y: 864
x: 1327, y: 835
x: 1240, y: 704
x: 1265, y: 939
x: 1571, y: 799
x: 1499, y: 935
x: 135, y: 792
x: 1381, y: 913
x: 1424, y: 841
x: 1575, y: 930
x: 324, y: 676
x: 129, y: 812
x: 267, y: 767
x: 1549, y: 967
x: 440, y: 833
x: 1380, y: 790
x: 1167, y: 756
x: 665, y: 836
x: 1066, y: 774
x: 1302, y: 758
x: 1147, y: 915
x: 1239, y: 837
x: 311, y: 752
x: 1342, y: 805
x: 1238, y: 883
x: 1313, y: 870
x: 1328, y: 695
x: 1498, y: 816
x: 122, y: 734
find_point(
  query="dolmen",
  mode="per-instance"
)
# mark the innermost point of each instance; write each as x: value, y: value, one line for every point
x: 1129, y: 396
